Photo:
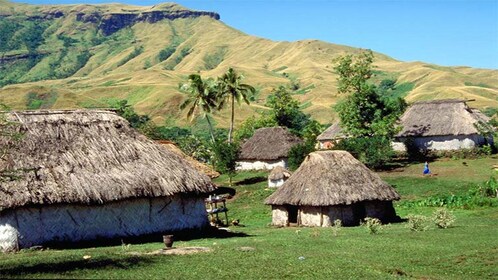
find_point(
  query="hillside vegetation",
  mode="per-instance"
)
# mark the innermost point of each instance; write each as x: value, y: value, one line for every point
x: 81, y: 56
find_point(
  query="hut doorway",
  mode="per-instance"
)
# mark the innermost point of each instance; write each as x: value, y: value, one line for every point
x: 292, y: 213
x: 359, y: 212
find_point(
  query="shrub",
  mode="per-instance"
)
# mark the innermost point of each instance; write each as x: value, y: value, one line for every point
x: 373, y: 225
x: 336, y: 227
x: 298, y: 153
x: 374, y: 152
x: 443, y: 218
x: 225, y: 157
x: 417, y: 223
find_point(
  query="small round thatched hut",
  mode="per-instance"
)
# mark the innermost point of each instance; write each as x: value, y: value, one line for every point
x: 332, y: 185
x: 278, y: 176
x: 267, y: 148
x: 86, y: 175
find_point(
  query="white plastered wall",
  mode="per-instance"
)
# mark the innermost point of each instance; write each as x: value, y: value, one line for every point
x: 134, y: 217
x: 280, y: 217
x: 261, y: 165
x: 442, y: 143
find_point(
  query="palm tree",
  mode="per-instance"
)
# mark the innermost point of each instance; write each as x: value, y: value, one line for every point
x: 231, y: 88
x: 201, y: 97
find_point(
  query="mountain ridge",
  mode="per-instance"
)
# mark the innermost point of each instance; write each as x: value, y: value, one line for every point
x: 144, y: 61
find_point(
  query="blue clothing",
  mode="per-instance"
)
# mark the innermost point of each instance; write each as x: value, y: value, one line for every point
x: 426, y: 169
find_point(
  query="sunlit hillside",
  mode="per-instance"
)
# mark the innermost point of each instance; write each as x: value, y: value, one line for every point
x: 74, y: 56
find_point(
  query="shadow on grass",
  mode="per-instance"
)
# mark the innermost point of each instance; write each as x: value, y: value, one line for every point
x: 251, y: 180
x: 64, y: 266
x: 185, y: 235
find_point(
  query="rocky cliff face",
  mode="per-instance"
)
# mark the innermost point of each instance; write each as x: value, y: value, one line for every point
x: 110, y: 23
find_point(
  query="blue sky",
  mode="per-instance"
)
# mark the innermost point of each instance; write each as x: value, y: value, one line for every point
x: 444, y: 32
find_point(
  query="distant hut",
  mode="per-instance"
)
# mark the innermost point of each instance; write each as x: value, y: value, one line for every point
x: 440, y: 125
x: 87, y: 175
x: 278, y: 176
x: 332, y: 185
x: 201, y: 167
x: 330, y: 137
x: 267, y: 148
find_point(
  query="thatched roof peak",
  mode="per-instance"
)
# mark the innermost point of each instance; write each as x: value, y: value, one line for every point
x: 88, y: 157
x: 269, y: 143
x: 328, y: 178
x: 332, y: 132
x: 279, y: 173
x: 440, y: 118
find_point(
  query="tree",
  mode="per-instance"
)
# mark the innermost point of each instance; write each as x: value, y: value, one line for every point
x: 225, y: 158
x: 367, y: 117
x: 231, y: 89
x: 202, y: 96
x: 364, y: 112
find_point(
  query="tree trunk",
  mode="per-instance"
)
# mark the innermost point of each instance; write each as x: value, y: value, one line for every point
x: 211, y: 131
x: 232, y: 120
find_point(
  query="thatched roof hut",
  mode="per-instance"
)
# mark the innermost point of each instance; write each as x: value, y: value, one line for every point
x: 332, y: 185
x: 267, y: 148
x: 447, y: 124
x: 278, y: 176
x: 199, y: 166
x: 330, y: 136
x: 88, y: 174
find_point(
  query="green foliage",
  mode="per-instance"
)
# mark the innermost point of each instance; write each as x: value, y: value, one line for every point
x: 483, y: 85
x: 286, y: 111
x: 417, y: 223
x: 490, y: 111
x: 374, y: 152
x: 373, y: 225
x: 231, y: 89
x: 136, y: 52
x: 225, y: 157
x: 298, y: 153
x: 202, y: 97
x: 166, y: 53
x: 35, y: 101
x: 247, y: 128
x: 364, y: 112
x: 212, y: 60
x: 480, y: 195
x: 196, y: 147
x: 443, y: 218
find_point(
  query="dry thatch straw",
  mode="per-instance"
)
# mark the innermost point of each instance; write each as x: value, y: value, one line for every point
x: 440, y: 118
x: 201, y: 167
x: 332, y: 132
x: 279, y: 173
x: 90, y: 157
x: 269, y: 143
x: 328, y: 178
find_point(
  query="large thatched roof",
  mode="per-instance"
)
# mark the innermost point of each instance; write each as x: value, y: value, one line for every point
x: 90, y: 156
x: 440, y: 118
x: 331, y: 178
x: 332, y: 132
x: 269, y: 143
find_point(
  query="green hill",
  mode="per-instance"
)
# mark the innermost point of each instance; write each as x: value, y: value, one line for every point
x: 73, y: 56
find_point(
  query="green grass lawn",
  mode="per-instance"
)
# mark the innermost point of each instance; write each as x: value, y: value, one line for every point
x: 467, y: 250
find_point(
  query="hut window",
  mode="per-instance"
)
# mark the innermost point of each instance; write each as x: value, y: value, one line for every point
x: 292, y: 212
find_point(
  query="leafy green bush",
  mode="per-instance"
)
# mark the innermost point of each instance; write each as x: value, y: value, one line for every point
x: 417, y: 223
x: 298, y: 153
x: 374, y: 152
x: 166, y: 53
x: 373, y: 225
x: 225, y: 157
x: 443, y: 218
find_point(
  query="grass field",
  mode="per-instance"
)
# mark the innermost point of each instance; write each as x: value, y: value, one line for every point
x: 467, y: 250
